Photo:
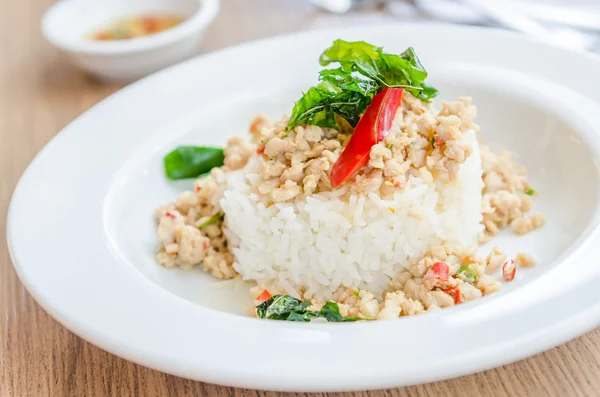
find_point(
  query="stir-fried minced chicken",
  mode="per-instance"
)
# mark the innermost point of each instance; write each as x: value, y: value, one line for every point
x: 190, y: 230
x: 298, y: 162
x: 506, y: 195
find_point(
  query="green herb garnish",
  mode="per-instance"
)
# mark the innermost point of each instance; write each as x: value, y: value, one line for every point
x: 530, y: 192
x: 467, y: 273
x: 213, y: 219
x: 285, y: 307
x: 356, y: 293
x: 433, y: 142
x: 386, y: 70
x: 320, y: 104
x: 288, y: 308
x: 192, y: 161
x: 346, y: 91
x: 331, y: 312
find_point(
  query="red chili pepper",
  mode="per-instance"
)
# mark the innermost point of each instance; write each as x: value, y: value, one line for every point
x: 508, y: 270
x: 170, y: 214
x: 454, y: 292
x: 440, y: 271
x: 264, y: 296
x: 260, y: 149
x: 373, y: 126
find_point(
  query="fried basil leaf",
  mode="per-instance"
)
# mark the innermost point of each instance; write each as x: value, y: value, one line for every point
x: 192, y: 161
x: 363, y: 71
x: 288, y: 308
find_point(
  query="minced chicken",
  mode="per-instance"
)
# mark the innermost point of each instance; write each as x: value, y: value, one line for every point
x: 506, y: 195
x: 431, y: 147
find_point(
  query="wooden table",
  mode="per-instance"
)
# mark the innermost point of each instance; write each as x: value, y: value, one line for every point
x: 39, y: 94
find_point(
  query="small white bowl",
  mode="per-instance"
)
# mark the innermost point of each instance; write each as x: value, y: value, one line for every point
x: 68, y: 24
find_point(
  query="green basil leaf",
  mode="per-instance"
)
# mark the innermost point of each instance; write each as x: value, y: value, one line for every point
x: 296, y: 316
x: 284, y: 307
x: 363, y: 71
x: 428, y: 92
x: 192, y: 161
x: 319, y: 105
x: 341, y: 80
x: 313, y: 109
x: 288, y: 308
x: 331, y: 312
x: 388, y: 70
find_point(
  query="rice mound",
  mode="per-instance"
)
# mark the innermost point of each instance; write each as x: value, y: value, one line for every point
x: 314, y: 245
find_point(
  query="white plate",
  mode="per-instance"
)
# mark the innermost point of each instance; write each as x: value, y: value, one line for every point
x: 81, y: 233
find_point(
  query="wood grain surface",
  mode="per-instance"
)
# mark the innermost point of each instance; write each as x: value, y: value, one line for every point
x: 39, y: 94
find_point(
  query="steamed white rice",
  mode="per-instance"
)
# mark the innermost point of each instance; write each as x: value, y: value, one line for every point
x: 312, y: 246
